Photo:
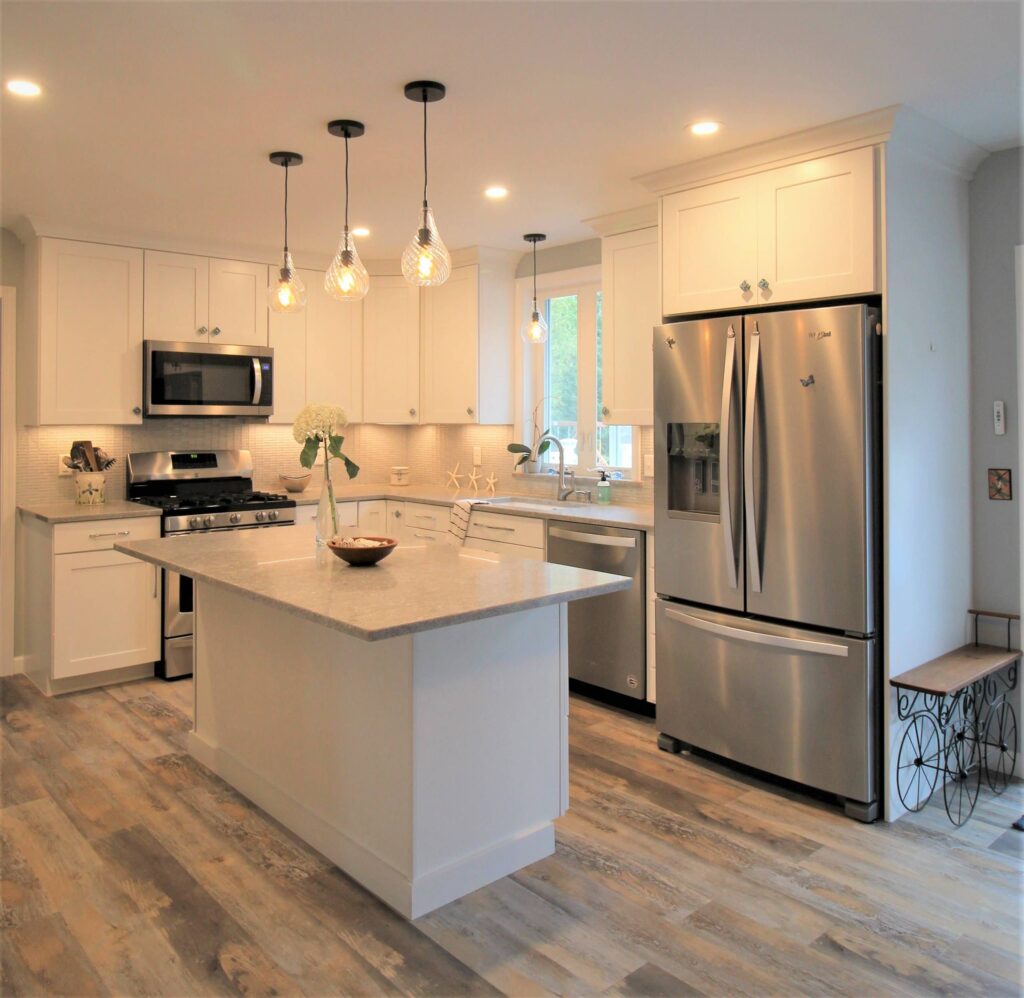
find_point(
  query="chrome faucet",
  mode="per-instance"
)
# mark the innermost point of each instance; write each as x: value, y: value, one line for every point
x: 564, y: 491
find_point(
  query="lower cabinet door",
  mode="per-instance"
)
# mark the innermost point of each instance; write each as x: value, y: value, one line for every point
x: 511, y: 550
x: 373, y: 519
x: 106, y: 609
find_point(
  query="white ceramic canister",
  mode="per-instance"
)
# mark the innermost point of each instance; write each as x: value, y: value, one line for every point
x: 90, y: 487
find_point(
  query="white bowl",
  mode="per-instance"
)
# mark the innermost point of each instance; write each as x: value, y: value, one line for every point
x: 295, y: 483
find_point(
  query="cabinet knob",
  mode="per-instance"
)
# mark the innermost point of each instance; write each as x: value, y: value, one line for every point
x: 137, y: 411
x: 412, y: 412
x: 605, y: 411
x: 215, y: 331
x: 744, y: 286
x: 763, y: 284
x: 469, y: 410
x: 202, y: 331
x: 398, y: 514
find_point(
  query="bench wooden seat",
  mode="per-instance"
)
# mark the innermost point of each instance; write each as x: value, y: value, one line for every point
x: 953, y: 671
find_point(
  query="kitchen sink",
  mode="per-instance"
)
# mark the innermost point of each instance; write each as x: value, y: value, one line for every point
x: 545, y: 505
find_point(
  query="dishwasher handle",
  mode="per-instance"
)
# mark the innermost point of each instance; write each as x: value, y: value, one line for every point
x: 585, y: 538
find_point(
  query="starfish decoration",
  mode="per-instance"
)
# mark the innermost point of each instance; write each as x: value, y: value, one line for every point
x: 492, y: 482
x: 454, y: 478
x: 474, y: 479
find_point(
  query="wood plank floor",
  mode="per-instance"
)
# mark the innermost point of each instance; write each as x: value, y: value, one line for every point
x: 129, y: 869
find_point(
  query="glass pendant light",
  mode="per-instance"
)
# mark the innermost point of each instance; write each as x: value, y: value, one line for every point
x: 346, y: 278
x: 535, y: 329
x: 287, y: 293
x: 426, y: 262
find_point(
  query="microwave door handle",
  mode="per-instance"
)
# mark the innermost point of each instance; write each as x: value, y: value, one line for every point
x: 257, y: 381
x: 753, y: 385
x: 725, y: 456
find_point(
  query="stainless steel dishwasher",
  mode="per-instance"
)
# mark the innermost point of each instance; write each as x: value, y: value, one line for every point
x: 607, y: 634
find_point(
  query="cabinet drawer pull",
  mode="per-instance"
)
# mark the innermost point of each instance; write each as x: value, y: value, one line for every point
x: 426, y: 516
x: 490, y: 526
x: 156, y: 575
x: 425, y: 537
x: 112, y: 533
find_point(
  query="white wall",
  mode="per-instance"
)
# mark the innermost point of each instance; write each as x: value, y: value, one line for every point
x: 927, y: 391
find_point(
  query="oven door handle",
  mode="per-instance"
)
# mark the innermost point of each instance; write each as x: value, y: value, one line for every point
x: 257, y: 381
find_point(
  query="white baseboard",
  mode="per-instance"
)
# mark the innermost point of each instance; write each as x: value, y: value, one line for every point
x: 13, y: 666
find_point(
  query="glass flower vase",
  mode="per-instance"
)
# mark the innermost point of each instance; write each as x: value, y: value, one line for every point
x: 326, y: 512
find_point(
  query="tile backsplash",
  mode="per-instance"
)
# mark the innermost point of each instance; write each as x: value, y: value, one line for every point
x: 428, y: 451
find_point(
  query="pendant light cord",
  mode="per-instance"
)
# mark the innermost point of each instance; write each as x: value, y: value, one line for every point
x: 424, y: 149
x: 346, y: 184
x: 286, y: 207
x: 535, y: 275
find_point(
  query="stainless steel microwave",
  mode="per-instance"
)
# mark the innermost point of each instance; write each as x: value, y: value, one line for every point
x: 208, y: 379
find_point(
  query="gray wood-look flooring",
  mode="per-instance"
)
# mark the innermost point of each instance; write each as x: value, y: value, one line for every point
x: 129, y: 869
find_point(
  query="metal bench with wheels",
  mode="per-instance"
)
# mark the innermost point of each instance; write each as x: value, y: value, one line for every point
x: 961, y: 724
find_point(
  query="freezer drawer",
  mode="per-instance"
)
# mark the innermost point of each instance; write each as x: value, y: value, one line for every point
x: 787, y: 701
x: 607, y: 634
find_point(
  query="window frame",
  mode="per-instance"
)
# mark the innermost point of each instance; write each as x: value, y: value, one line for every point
x: 531, y: 367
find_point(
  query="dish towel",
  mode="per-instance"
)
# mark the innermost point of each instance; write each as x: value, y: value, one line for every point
x: 458, y: 520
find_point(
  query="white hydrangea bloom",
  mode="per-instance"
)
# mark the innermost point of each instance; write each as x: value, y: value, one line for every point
x: 319, y: 421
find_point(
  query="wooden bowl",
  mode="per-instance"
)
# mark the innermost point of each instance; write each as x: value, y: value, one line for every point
x: 363, y: 556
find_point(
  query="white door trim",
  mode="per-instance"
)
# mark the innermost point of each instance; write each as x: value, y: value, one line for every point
x: 8, y: 448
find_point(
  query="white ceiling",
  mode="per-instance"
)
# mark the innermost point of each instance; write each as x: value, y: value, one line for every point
x: 157, y: 117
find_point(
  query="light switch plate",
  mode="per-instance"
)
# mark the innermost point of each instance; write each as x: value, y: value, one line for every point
x: 648, y: 465
x: 62, y: 469
x: 477, y: 457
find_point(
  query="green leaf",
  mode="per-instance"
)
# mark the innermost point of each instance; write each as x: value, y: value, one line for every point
x: 546, y: 432
x: 518, y: 449
x: 308, y: 455
x: 334, y: 446
x: 544, y: 447
x: 350, y: 466
x: 522, y: 460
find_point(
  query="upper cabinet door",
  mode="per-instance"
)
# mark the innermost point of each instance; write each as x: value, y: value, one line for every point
x: 334, y: 348
x: 238, y: 303
x: 629, y: 313
x: 90, y: 333
x: 450, y: 349
x: 709, y: 247
x: 177, y: 297
x: 391, y: 352
x: 816, y: 229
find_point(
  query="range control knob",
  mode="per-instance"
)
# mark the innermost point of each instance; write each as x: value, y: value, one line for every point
x: 273, y: 514
x: 260, y: 516
x: 235, y: 517
x: 195, y: 521
x: 208, y: 520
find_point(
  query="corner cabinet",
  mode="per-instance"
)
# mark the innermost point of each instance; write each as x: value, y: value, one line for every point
x: 204, y: 299
x: 391, y: 351
x: 318, y: 353
x: 80, y: 353
x: 798, y: 232
x: 629, y: 313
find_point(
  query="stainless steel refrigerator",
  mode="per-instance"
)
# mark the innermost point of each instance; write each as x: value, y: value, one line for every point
x: 766, y: 528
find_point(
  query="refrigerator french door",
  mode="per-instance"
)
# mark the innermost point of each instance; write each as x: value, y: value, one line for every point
x: 765, y: 473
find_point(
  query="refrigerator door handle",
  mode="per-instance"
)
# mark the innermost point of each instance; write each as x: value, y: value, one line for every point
x: 725, y: 457
x: 753, y: 385
x: 758, y: 637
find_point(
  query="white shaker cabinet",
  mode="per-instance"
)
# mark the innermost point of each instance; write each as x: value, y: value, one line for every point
x: 709, y: 247
x: 816, y: 229
x: 630, y: 311
x: 317, y: 354
x: 205, y: 299
x: 794, y: 233
x: 91, y: 614
x: 373, y: 519
x: 391, y: 351
x: 80, y: 357
x: 177, y: 298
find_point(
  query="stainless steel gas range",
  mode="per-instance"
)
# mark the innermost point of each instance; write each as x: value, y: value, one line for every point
x: 198, y: 492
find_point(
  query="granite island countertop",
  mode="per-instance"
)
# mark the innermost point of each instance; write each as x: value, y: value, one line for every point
x: 416, y: 588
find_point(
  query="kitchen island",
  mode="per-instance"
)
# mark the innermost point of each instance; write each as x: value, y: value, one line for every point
x: 408, y: 720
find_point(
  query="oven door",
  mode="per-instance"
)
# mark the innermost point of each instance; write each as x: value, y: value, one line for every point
x: 207, y: 379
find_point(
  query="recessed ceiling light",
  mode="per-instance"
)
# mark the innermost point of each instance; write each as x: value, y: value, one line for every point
x: 705, y: 127
x: 24, y: 88
x: 496, y: 193
x: 361, y: 231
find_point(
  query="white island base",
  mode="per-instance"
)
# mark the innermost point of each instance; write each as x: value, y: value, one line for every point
x: 425, y: 766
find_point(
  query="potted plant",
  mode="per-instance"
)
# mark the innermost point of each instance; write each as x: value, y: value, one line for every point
x: 530, y: 455
x: 316, y: 426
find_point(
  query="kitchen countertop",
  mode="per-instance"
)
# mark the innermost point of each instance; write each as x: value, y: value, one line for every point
x: 416, y: 588
x: 68, y: 511
x: 638, y: 517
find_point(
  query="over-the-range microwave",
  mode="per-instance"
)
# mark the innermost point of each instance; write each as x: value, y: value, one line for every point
x: 207, y: 379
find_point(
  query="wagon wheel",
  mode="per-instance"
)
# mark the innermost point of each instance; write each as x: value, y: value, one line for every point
x: 919, y: 762
x: 963, y: 772
x: 1000, y: 745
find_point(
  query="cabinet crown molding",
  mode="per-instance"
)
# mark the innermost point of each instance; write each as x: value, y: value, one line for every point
x: 897, y: 124
x: 644, y: 216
